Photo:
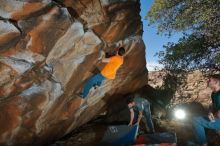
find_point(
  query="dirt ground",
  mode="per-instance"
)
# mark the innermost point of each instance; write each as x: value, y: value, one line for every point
x: 92, y: 133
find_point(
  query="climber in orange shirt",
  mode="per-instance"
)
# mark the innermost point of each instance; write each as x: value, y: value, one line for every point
x: 108, y: 72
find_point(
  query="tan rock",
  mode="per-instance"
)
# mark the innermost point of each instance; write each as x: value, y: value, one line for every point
x: 53, y: 49
x: 194, y: 90
x: 9, y: 34
x: 16, y: 10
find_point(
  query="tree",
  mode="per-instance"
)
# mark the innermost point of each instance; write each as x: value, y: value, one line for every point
x: 200, y: 48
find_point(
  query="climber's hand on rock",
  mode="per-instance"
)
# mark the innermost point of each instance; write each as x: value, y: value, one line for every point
x: 101, y: 54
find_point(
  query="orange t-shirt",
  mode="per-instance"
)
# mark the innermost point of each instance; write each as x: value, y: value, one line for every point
x: 110, y: 69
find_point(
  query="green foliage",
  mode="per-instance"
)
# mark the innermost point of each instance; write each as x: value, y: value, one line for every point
x: 200, y: 49
x: 181, y: 15
x: 190, y: 53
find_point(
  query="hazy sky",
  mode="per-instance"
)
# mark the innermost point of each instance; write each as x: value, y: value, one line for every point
x: 153, y: 42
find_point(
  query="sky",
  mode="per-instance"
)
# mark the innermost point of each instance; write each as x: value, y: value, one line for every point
x: 153, y: 42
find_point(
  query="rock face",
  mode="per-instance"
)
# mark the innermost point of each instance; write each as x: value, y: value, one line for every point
x: 193, y: 90
x: 48, y: 49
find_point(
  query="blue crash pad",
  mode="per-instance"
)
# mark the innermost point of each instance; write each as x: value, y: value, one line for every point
x: 120, y: 135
